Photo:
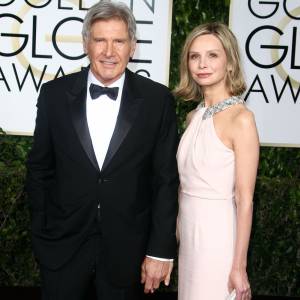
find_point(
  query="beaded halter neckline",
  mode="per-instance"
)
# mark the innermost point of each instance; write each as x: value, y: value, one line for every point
x: 213, y: 109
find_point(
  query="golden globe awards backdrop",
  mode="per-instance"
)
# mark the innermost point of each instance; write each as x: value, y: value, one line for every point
x: 269, y: 36
x: 41, y: 40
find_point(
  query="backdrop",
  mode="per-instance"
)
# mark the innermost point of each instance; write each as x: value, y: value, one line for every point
x: 269, y: 36
x: 273, y: 261
x: 41, y: 40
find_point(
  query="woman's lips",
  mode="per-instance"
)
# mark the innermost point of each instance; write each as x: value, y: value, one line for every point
x: 203, y: 75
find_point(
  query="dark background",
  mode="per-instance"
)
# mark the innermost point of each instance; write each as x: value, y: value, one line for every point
x: 274, y: 254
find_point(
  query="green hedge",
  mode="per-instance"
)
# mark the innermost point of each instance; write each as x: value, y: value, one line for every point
x: 273, y: 263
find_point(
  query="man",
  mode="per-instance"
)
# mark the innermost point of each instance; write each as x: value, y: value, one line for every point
x: 102, y: 175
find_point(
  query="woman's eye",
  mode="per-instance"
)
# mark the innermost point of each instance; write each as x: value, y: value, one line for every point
x: 194, y: 56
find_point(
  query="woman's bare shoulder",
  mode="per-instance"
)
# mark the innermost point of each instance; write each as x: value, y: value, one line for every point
x: 243, y: 125
x: 243, y: 117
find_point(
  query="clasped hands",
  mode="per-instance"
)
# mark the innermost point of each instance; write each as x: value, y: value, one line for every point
x: 154, y: 272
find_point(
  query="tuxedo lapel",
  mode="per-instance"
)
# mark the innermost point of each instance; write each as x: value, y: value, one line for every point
x: 130, y: 103
x: 77, y: 102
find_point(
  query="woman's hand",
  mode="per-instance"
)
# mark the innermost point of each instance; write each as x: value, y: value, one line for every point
x: 238, y: 280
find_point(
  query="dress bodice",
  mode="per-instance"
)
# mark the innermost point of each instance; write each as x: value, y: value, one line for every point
x: 206, y: 165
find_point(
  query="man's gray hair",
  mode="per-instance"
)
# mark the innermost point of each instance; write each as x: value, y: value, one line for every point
x: 106, y: 10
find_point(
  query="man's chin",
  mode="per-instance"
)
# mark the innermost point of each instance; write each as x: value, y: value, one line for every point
x: 109, y: 79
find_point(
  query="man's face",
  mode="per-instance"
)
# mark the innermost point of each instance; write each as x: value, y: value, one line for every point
x: 109, y: 49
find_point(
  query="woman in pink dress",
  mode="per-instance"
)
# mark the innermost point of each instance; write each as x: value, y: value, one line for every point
x: 217, y: 159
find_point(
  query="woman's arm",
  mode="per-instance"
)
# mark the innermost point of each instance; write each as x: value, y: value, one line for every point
x: 246, y: 149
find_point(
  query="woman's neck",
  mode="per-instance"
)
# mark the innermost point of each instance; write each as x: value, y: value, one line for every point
x: 214, y: 96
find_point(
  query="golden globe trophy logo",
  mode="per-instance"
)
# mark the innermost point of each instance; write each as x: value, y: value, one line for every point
x: 268, y: 33
x: 40, y: 40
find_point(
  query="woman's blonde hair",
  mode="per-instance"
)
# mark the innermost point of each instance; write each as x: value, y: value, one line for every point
x: 187, y: 88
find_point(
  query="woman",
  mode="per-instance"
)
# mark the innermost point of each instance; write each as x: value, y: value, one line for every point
x: 217, y: 159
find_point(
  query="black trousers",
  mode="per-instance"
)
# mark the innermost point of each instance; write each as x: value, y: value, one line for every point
x: 75, y: 279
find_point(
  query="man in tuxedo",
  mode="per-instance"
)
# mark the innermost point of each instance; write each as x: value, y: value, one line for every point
x: 102, y: 174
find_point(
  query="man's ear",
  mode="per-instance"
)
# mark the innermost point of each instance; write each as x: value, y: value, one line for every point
x: 84, y: 44
x: 133, y: 47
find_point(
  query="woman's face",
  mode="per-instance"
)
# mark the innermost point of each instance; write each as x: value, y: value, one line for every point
x: 207, y: 61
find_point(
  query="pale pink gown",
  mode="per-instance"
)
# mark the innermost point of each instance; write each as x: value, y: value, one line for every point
x: 207, y: 212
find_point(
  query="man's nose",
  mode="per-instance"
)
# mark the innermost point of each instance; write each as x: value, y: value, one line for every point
x: 109, y: 49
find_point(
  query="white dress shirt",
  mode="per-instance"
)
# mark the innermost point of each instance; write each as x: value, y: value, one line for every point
x: 102, y: 114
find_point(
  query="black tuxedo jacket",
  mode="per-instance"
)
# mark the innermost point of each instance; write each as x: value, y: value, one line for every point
x: 136, y: 187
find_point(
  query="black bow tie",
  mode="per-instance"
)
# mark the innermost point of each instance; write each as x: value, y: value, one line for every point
x: 97, y: 90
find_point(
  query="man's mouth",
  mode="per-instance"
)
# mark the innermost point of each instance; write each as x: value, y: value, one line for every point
x: 108, y: 63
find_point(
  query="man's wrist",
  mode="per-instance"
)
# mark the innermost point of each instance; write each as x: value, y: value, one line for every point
x: 160, y: 258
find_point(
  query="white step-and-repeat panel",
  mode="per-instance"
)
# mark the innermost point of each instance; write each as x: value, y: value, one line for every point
x: 269, y: 36
x: 41, y: 40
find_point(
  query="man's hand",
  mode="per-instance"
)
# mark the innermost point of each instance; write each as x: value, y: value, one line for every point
x: 153, y: 272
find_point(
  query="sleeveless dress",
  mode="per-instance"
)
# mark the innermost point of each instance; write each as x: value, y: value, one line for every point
x: 207, y: 212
